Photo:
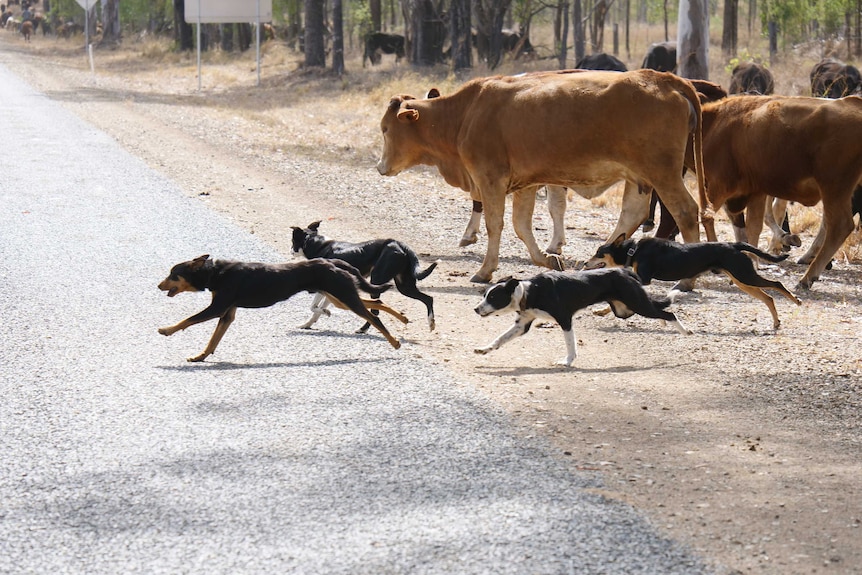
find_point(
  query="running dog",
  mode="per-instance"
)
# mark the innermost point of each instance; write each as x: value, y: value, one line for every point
x: 558, y: 295
x: 383, y: 260
x: 655, y: 258
x: 255, y: 285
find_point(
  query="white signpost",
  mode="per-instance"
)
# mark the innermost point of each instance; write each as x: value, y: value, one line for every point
x: 87, y: 5
x: 226, y: 12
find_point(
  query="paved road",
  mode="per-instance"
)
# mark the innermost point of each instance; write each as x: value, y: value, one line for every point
x: 288, y: 452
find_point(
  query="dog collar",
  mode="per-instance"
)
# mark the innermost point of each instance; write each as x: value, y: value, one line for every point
x: 630, y: 255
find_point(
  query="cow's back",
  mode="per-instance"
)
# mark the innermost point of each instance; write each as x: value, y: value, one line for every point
x: 578, y: 125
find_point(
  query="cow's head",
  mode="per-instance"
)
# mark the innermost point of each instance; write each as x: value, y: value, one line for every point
x: 402, y: 140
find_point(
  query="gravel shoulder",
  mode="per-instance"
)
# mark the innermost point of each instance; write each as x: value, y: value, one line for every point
x: 741, y: 442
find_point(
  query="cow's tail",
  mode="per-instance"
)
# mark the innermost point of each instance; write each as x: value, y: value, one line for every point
x: 707, y: 212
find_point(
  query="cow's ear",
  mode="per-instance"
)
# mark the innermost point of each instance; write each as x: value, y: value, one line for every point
x: 432, y: 93
x: 408, y: 115
x: 619, y: 241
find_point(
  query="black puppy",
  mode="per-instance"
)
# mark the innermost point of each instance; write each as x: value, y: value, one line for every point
x: 654, y: 258
x: 383, y: 260
x: 558, y: 295
x: 254, y: 285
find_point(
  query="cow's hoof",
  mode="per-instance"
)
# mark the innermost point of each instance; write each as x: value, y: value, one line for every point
x: 480, y: 279
x: 468, y: 241
x: 555, y: 262
x: 791, y: 240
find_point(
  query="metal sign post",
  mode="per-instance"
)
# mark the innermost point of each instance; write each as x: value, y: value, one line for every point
x: 228, y: 12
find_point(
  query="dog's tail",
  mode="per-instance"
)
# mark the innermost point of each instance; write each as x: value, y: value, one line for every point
x: 359, y: 280
x: 414, y: 264
x: 662, y: 302
x: 744, y: 247
x: 426, y: 272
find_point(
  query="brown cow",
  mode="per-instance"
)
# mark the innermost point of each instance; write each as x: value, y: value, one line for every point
x: 27, y: 30
x: 801, y: 149
x: 508, y: 134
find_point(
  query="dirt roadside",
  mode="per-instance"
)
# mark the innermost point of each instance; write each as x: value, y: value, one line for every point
x: 742, y: 442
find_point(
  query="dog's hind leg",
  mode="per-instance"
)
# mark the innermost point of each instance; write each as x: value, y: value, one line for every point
x: 376, y: 304
x: 223, y: 323
x: 758, y: 293
x: 407, y: 286
x: 353, y: 302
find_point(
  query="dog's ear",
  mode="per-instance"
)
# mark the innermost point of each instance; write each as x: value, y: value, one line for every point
x: 619, y: 241
x: 314, y: 225
x: 511, y: 284
x: 199, y: 261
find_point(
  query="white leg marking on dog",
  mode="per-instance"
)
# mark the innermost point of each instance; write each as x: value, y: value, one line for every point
x: 571, y: 348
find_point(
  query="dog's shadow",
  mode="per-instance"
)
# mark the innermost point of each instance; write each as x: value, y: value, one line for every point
x: 231, y: 366
x: 556, y: 369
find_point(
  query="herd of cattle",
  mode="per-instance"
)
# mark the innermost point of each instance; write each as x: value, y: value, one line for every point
x: 586, y: 130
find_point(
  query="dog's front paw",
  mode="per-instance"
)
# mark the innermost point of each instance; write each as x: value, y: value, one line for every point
x: 166, y: 330
x: 483, y: 350
x: 565, y: 362
x: 197, y: 358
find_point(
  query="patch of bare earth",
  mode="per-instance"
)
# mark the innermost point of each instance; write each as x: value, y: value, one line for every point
x: 742, y: 442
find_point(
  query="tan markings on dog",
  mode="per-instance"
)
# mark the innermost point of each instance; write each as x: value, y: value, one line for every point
x: 173, y: 287
x: 392, y: 341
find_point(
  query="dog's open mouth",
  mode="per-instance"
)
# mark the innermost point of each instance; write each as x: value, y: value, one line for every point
x: 173, y: 291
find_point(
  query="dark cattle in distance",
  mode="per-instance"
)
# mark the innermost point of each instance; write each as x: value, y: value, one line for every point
x: 832, y: 78
x: 661, y: 57
x: 377, y: 42
x: 601, y: 61
x: 751, y: 78
x: 511, y: 41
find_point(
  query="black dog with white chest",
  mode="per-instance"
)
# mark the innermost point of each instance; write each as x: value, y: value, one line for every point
x: 558, y: 295
x: 257, y: 285
x: 381, y: 261
x: 655, y: 258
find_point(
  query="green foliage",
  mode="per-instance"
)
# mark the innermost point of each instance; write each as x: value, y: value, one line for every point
x: 745, y: 56
x: 150, y: 15
x: 799, y: 20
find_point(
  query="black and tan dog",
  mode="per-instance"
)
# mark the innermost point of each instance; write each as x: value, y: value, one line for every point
x: 382, y: 261
x: 558, y: 295
x: 255, y: 285
x: 654, y: 258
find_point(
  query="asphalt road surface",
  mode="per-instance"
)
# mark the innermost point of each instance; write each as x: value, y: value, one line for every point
x: 288, y: 451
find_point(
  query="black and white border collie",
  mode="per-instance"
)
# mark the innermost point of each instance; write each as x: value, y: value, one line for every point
x: 558, y: 295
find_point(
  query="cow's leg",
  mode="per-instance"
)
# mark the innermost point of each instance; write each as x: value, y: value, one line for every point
x: 523, y: 204
x: 754, y: 212
x: 681, y: 206
x: 808, y: 257
x: 471, y: 234
x: 557, y: 201
x: 494, y: 204
x: 634, y: 211
x: 782, y: 240
x: 838, y: 221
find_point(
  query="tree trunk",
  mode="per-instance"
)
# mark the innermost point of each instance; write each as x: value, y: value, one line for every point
x: 489, y: 26
x: 461, y: 34
x: 337, y: 38
x: 376, y: 15
x: 564, y: 35
x: 227, y: 37
x: 693, y: 39
x: 578, y: 32
x: 731, y: 25
x: 110, y: 22
x: 428, y: 34
x: 184, y: 34
x: 315, y: 53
